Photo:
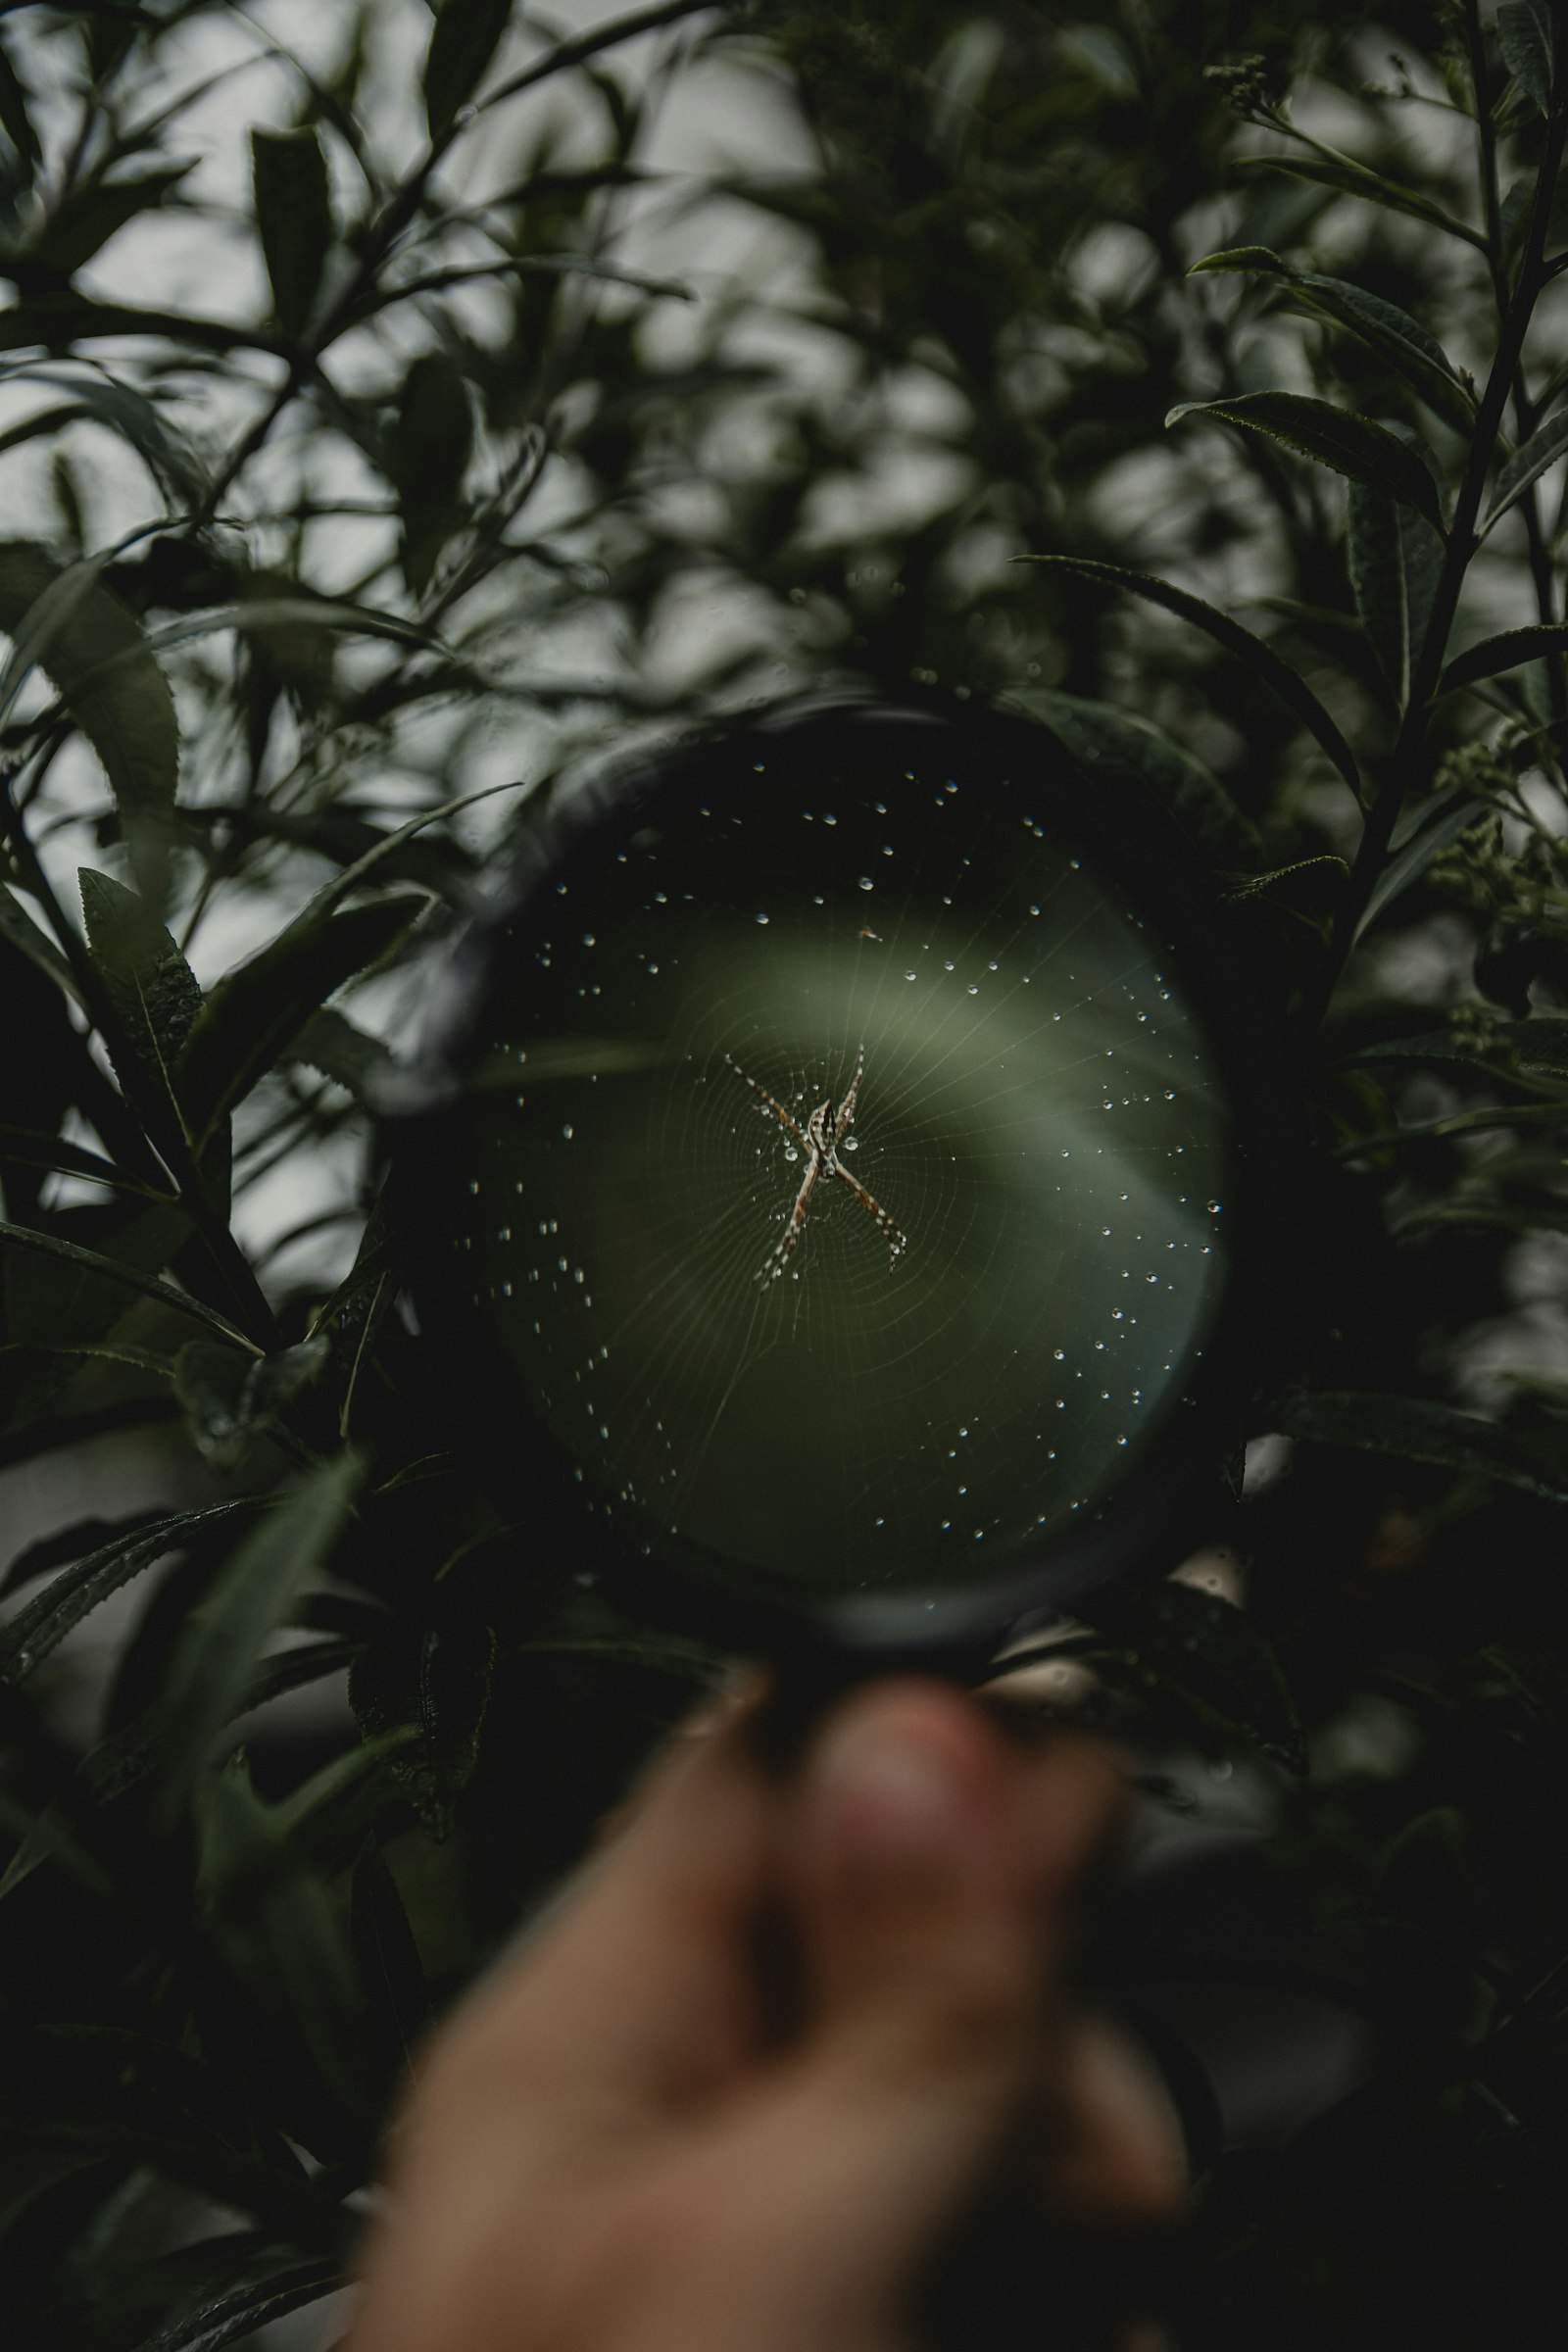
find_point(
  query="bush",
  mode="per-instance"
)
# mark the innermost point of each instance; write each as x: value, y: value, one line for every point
x: 325, y: 580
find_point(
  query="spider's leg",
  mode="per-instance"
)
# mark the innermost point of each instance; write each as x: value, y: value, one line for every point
x: 896, y: 1240
x: 776, y: 1107
x: 780, y: 1255
x: 846, y: 1111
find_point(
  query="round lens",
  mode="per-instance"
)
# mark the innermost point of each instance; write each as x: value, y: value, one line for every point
x: 844, y: 1168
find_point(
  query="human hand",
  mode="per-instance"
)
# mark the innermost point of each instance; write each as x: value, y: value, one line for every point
x: 619, y: 2145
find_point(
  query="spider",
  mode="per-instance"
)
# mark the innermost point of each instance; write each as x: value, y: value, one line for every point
x: 824, y: 1130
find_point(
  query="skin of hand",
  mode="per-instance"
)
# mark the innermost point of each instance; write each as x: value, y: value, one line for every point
x: 618, y: 2145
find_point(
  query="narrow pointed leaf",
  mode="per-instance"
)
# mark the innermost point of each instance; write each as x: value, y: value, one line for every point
x: 293, y: 219
x: 64, y: 621
x: 463, y: 40
x: 1375, y: 553
x: 1348, y: 179
x: 236, y: 2315
x: 1382, y: 326
x: 1546, y: 445
x: 18, y: 927
x: 332, y: 1044
x: 254, y: 1013
x: 1119, y: 746
x: 1505, y: 651
x: 1452, y: 815
x: 151, y: 988
x: 1525, y: 45
x: 169, y: 457
x: 231, y: 1399
x: 1416, y: 1430
x: 1351, y: 446
x: 1259, y: 658
x: 34, y: 1630
x: 252, y: 1595
x: 91, y: 1261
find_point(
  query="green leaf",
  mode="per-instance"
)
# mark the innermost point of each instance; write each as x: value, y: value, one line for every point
x: 463, y: 40
x: 271, y: 1919
x: 14, y: 120
x: 1351, y: 446
x: 150, y: 989
x: 331, y: 1043
x: 1525, y: 39
x: 1375, y: 553
x: 1259, y: 658
x: 1546, y: 445
x: 1348, y: 179
x: 238, y: 2312
x: 293, y: 219
x: 254, y: 1013
x: 66, y: 622
x: 1119, y: 747
x: 87, y: 217
x: 1415, y: 1430
x: 1504, y: 652
x: 28, y: 1637
x: 130, y: 1277
x: 426, y: 458
x: 172, y: 460
x: 1382, y: 326
x: 1441, y: 822
x: 337, y: 1807
x: 128, y: 1756
x: 18, y: 927
x: 252, y: 1595
x: 230, y: 1400
x: 433, y: 1680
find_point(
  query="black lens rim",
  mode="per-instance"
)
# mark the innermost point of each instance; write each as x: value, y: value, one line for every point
x: 520, y: 1465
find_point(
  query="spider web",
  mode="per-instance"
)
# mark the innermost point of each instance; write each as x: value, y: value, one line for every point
x: 1040, y: 1115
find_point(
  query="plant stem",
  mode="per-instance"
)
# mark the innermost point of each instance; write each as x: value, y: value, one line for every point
x: 1404, y: 764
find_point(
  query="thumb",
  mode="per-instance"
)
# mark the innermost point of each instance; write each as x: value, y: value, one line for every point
x: 927, y: 1900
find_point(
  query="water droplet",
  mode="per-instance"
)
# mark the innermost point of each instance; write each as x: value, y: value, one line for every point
x: 790, y: 1152
x: 973, y: 988
x: 852, y: 1142
x: 1213, y: 1207
x: 761, y: 918
x: 909, y: 975
x: 569, y: 1131
x: 1060, y: 1354
x: 866, y: 882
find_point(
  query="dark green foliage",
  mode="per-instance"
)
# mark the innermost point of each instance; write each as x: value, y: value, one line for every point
x: 317, y: 602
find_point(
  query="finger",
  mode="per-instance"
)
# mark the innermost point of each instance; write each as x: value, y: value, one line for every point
x: 931, y: 1906
x: 1115, y: 2155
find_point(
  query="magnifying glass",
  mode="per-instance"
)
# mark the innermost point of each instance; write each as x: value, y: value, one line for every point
x: 845, y: 1184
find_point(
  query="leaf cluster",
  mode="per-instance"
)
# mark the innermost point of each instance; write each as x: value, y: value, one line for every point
x: 1099, y: 380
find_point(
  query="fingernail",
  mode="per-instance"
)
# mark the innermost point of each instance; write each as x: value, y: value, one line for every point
x: 885, y: 1793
